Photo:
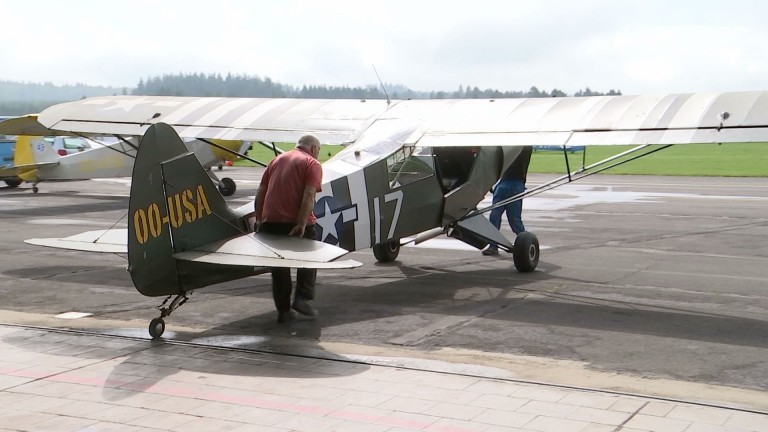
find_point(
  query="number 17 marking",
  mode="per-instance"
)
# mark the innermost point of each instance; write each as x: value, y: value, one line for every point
x: 377, y: 217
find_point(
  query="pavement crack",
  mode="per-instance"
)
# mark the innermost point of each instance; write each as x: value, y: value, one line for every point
x: 631, y: 416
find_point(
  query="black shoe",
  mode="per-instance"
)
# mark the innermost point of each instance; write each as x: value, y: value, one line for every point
x: 285, y: 316
x: 304, y: 308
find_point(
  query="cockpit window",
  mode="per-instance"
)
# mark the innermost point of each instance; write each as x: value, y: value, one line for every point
x: 73, y: 143
x: 408, y: 164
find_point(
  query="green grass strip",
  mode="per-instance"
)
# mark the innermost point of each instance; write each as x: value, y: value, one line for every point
x: 700, y: 160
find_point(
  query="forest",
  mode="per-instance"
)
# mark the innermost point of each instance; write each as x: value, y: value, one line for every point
x: 24, y: 98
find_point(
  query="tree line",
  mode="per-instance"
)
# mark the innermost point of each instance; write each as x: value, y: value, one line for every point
x: 24, y: 98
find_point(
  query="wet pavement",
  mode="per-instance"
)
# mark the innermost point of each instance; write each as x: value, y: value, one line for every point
x: 649, y: 289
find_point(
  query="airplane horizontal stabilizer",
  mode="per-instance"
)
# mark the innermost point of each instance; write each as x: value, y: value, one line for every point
x: 267, y: 250
x: 110, y: 241
x: 17, y: 170
x: 257, y: 261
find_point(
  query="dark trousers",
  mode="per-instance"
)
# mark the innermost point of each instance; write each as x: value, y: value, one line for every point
x: 282, y: 286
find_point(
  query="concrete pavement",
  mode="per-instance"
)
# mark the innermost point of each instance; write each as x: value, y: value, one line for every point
x: 52, y: 380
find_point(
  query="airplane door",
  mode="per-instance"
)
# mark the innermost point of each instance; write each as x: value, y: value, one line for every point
x: 466, y: 175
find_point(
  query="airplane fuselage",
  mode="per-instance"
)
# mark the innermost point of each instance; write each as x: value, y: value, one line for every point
x: 379, y: 193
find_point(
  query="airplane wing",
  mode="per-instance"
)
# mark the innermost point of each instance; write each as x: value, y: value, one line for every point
x: 254, y: 249
x: 574, y: 121
x: 26, y: 125
x: 240, y: 119
x: 600, y: 120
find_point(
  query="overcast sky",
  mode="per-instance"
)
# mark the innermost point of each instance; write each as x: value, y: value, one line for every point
x: 649, y: 46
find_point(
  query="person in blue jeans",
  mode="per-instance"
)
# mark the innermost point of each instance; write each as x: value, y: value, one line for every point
x: 511, y: 183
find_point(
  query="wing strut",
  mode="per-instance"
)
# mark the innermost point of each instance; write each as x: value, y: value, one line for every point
x: 246, y: 157
x: 583, y: 172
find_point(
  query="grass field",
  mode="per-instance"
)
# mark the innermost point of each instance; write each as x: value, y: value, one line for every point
x: 727, y: 160
x: 261, y: 153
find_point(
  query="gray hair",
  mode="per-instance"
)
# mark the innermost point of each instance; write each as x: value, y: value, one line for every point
x: 307, y: 141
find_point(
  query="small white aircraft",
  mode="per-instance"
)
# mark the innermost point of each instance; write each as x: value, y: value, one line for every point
x: 412, y: 169
x: 35, y: 160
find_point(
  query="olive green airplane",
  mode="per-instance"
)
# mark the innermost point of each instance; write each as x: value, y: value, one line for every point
x: 412, y: 170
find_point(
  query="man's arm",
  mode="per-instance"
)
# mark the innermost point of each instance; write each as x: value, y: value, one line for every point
x: 307, y: 204
x: 258, y: 204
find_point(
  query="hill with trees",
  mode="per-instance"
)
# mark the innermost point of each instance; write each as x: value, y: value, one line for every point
x: 24, y: 98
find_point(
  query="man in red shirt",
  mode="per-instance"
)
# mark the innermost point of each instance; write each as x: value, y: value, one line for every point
x: 284, y: 203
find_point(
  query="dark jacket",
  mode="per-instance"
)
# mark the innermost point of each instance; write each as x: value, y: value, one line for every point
x: 519, y: 168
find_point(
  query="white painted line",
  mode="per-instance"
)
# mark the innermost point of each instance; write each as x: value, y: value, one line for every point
x: 72, y: 315
x: 65, y: 221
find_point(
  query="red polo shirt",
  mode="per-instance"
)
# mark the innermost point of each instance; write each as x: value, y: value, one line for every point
x: 285, y: 179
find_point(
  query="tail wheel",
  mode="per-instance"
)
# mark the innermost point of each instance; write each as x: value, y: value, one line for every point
x: 387, y: 252
x: 156, y: 328
x: 526, y: 252
x: 227, y: 186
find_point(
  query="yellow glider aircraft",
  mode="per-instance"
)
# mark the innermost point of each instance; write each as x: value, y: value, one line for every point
x: 36, y: 161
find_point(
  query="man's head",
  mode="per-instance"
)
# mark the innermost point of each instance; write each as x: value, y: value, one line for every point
x: 309, y: 143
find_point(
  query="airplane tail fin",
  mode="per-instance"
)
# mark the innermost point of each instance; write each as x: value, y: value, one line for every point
x: 175, y: 207
x: 31, y: 151
x: 22, y: 153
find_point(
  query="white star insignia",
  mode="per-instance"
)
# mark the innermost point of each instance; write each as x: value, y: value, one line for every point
x: 328, y: 223
x: 127, y: 104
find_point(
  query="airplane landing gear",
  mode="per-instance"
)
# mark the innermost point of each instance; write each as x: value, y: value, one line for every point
x: 157, y: 325
x: 526, y: 252
x: 387, y: 252
x: 227, y: 186
x: 12, y: 181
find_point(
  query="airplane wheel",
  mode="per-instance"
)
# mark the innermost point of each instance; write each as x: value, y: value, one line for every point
x: 156, y: 328
x: 35, y: 189
x: 12, y: 182
x: 227, y: 186
x: 387, y: 252
x: 526, y: 252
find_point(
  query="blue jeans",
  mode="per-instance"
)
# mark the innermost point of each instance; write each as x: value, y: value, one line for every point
x: 507, y: 189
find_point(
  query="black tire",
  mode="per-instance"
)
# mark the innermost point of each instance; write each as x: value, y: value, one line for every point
x: 12, y: 182
x: 227, y: 186
x: 35, y: 189
x: 156, y: 328
x: 387, y: 252
x: 526, y: 252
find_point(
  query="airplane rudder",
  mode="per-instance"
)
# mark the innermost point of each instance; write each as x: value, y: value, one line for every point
x: 174, y: 206
x: 150, y: 261
x: 30, y: 150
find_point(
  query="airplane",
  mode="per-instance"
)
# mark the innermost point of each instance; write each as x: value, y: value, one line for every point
x: 412, y: 170
x: 35, y: 160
